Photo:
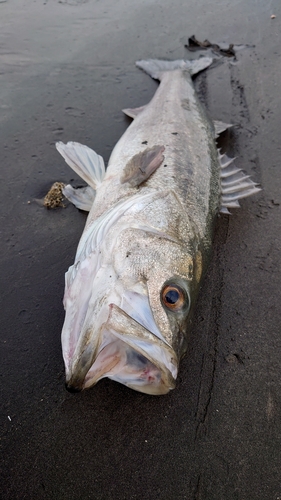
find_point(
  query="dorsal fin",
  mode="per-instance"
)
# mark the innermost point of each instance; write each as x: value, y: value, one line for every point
x: 234, y: 183
x: 220, y: 127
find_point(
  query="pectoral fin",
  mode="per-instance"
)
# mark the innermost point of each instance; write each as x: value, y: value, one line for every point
x: 142, y: 165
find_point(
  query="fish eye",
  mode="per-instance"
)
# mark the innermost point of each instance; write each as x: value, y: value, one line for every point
x: 173, y: 297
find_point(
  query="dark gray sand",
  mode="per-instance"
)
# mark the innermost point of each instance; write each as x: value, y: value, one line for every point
x: 66, y: 71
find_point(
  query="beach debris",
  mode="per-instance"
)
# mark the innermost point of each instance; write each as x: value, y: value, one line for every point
x: 195, y: 44
x: 54, y: 197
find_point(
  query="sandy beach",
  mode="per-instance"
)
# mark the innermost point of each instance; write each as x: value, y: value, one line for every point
x: 67, y: 68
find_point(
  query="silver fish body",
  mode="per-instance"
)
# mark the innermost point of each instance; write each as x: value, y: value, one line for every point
x: 130, y: 294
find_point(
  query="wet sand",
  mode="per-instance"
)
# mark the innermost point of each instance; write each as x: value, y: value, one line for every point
x: 66, y: 71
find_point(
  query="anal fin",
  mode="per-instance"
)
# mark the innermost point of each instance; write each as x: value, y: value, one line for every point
x: 133, y: 112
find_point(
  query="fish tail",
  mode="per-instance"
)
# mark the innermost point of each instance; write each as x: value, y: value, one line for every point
x: 157, y: 67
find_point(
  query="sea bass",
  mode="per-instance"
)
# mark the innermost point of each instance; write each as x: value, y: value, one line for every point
x: 131, y: 291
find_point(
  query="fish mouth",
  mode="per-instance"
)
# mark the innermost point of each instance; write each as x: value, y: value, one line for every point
x: 126, y: 352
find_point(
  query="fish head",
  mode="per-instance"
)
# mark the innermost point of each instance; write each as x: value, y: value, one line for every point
x: 128, y: 301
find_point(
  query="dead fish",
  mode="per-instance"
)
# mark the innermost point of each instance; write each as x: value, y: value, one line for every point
x: 131, y: 291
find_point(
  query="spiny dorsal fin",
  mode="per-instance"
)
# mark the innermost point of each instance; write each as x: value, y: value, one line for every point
x: 220, y: 127
x: 234, y: 183
x: 84, y: 161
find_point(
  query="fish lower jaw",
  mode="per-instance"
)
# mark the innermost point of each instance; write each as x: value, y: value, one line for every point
x: 122, y: 363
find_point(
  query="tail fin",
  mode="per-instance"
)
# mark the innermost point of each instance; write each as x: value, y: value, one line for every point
x: 156, y: 67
